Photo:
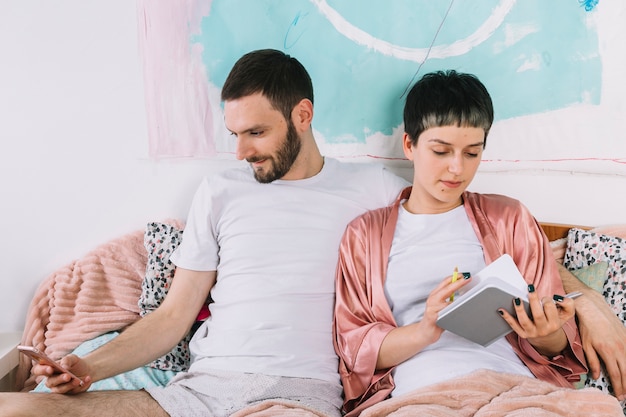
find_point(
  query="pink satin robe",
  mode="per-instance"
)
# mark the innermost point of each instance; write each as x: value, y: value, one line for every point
x: 363, y: 317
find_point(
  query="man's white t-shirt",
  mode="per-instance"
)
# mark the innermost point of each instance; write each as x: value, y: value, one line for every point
x: 275, y: 249
x: 424, y: 251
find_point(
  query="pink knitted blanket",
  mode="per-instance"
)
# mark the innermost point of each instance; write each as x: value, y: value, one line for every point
x: 90, y: 296
x: 479, y: 394
x: 488, y: 393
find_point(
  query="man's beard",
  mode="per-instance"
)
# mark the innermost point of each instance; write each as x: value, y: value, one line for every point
x: 282, y: 162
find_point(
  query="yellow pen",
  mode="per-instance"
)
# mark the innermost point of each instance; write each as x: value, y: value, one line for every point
x: 455, y: 275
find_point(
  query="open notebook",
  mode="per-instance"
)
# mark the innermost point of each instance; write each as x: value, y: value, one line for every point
x: 474, y: 312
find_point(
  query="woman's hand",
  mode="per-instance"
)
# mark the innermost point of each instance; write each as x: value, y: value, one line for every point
x: 439, y: 298
x: 544, y: 326
x: 405, y: 342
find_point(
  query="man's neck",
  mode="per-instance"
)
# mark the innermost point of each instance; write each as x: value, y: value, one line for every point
x: 309, y: 162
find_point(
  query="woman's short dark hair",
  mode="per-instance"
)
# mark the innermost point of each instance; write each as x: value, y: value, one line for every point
x: 279, y: 77
x: 446, y: 98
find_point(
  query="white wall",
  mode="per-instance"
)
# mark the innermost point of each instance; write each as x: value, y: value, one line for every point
x: 74, y: 143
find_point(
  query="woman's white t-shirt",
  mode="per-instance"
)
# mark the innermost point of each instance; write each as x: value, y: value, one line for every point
x: 426, y: 248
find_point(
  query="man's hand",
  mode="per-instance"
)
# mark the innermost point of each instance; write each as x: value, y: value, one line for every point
x: 64, y: 383
x: 602, y: 333
x: 604, y: 340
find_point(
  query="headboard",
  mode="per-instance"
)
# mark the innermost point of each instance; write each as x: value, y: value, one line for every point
x: 556, y: 231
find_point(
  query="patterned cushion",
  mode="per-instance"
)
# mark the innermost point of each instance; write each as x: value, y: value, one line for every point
x: 161, y: 240
x: 588, y: 248
x: 593, y: 275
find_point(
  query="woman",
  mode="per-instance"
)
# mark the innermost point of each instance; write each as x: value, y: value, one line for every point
x: 394, y: 272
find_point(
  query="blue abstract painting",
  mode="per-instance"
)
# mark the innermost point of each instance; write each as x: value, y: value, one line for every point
x: 535, y: 57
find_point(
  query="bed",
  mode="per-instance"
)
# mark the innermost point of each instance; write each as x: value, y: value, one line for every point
x: 121, y: 280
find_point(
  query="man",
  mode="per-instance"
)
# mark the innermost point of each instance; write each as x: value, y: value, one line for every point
x: 263, y: 240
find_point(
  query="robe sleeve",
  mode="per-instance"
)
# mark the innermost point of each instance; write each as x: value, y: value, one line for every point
x: 359, y: 326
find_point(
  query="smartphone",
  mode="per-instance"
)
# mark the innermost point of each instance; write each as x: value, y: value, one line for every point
x: 44, y: 359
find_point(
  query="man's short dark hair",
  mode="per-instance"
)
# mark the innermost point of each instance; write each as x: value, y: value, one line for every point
x: 282, y: 79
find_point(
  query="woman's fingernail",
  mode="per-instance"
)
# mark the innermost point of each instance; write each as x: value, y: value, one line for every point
x: 518, y: 301
x: 557, y: 298
x: 466, y: 275
x: 500, y: 312
x: 531, y: 288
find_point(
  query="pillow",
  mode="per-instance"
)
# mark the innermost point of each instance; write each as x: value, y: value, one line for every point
x: 160, y: 240
x: 138, y: 378
x: 592, y: 276
x: 585, y: 248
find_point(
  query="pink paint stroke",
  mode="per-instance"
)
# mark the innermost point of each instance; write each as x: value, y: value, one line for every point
x: 180, y: 122
x: 615, y: 160
x: 392, y: 158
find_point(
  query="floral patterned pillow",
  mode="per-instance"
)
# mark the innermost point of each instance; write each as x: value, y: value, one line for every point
x: 160, y: 240
x: 588, y: 248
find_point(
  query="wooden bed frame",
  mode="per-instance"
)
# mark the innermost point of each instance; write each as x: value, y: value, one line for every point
x: 556, y: 231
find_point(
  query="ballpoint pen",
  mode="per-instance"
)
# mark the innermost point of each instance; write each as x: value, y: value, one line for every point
x: 572, y: 295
